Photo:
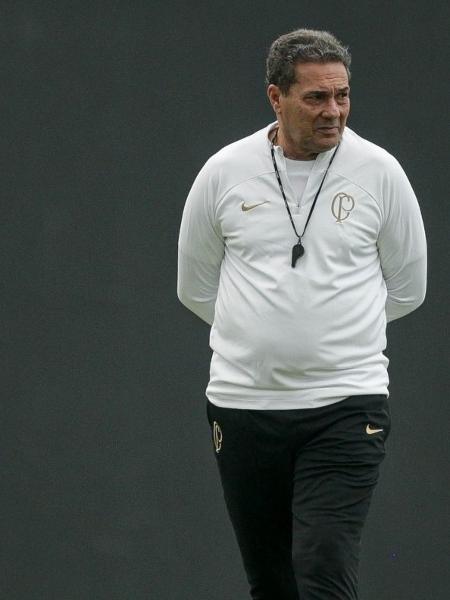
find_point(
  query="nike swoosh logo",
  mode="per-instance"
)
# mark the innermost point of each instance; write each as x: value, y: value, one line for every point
x: 369, y: 430
x: 246, y: 207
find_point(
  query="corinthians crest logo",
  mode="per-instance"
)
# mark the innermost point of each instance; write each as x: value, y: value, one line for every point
x: 342, y: 206
x: 217, y: 436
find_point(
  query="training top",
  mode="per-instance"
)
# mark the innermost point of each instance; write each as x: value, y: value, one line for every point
x: 312, y: 335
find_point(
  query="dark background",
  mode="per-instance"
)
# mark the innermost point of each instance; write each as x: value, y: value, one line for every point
x: 108, y: 110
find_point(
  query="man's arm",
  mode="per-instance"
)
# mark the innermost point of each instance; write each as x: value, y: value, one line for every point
x: 402, y: 247
x: 200, y: 248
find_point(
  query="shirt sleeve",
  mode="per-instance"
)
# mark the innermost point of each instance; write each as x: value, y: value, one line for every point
x: 200, y: 248
x: 402, y: 247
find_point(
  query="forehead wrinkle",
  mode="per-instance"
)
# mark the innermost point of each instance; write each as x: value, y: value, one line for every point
x: 318, y: 75
x: 325, y: 83
x: 328, y: 89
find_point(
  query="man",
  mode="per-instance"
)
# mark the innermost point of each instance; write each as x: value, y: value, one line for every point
x: 298, y: 244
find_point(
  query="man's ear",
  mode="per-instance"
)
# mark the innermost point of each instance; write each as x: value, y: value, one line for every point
x: 274, y: 93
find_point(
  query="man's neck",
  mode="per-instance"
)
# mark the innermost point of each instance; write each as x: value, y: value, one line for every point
x: 290, y: 150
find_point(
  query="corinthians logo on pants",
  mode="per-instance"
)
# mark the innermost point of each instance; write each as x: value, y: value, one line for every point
x: 217, y: 436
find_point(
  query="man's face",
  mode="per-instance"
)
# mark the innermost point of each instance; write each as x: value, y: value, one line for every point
x: 312, y: 115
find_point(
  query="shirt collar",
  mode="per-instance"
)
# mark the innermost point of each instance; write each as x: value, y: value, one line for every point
x: 321, y: 159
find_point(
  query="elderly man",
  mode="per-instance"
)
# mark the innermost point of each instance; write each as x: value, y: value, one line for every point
x: 298, y: 244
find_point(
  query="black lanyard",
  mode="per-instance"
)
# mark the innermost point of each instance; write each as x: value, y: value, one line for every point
x: 298, y: 250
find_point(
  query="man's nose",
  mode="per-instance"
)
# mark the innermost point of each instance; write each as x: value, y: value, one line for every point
x: 331, y: 109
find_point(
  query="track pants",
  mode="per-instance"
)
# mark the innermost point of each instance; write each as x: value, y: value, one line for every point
x: 297, y: 486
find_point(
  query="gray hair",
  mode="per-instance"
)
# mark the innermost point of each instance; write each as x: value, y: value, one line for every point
x: 302, y: 45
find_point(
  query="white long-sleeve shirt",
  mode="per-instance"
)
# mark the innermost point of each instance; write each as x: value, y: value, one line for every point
x: 307, y: 336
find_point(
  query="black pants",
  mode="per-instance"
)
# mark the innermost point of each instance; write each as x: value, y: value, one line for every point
x: 297, y: 485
